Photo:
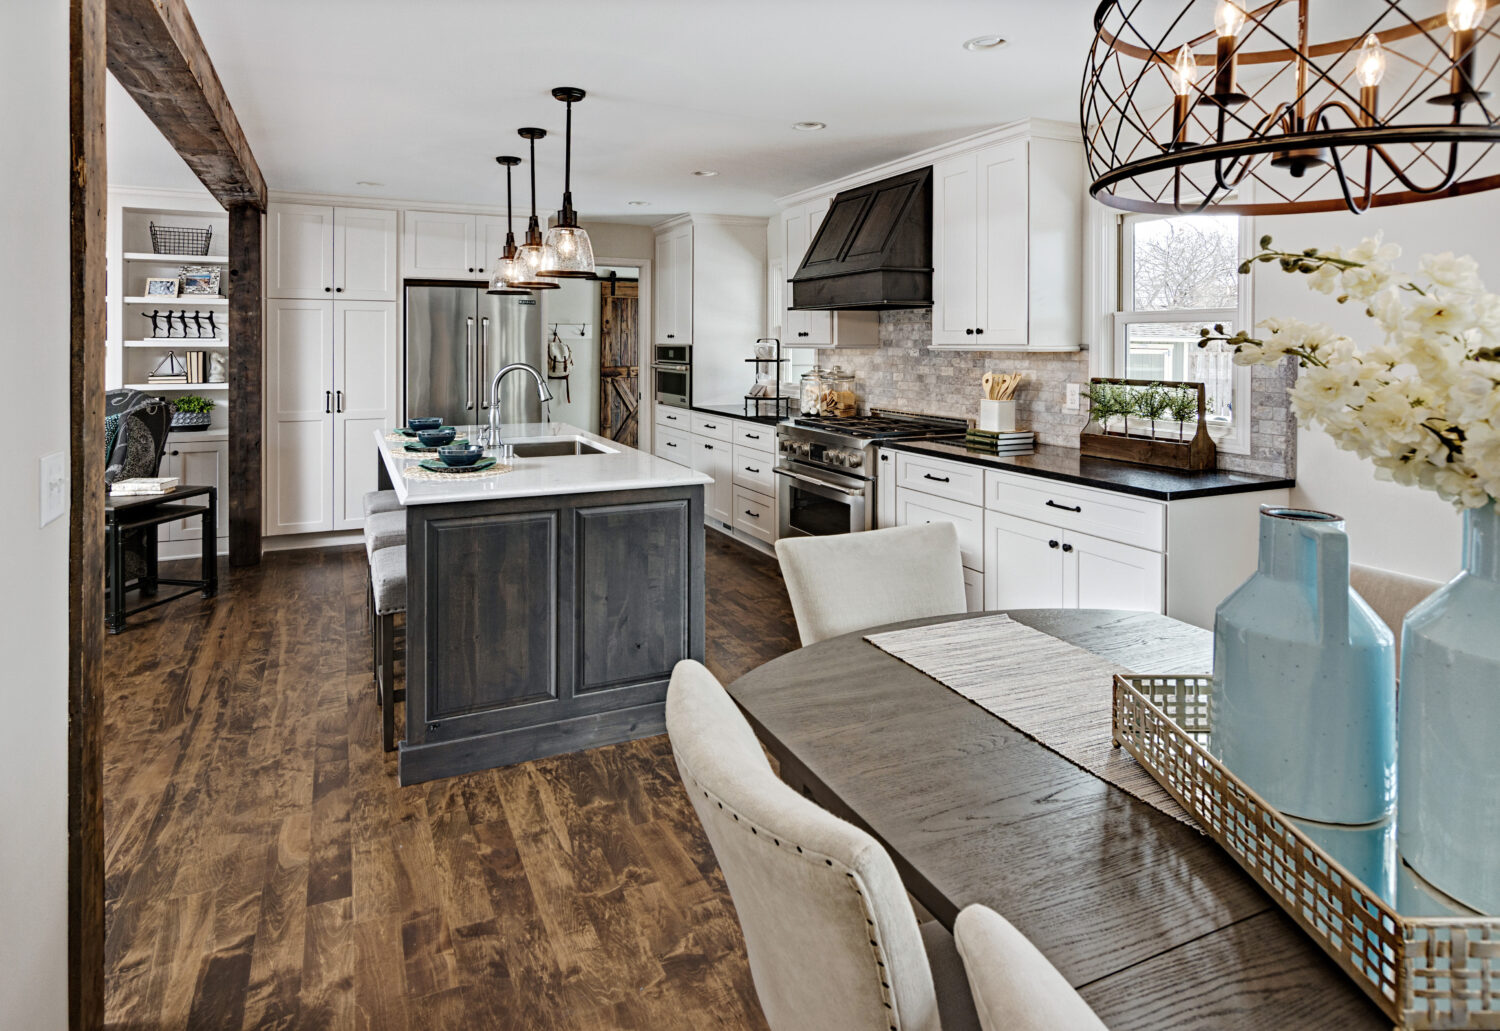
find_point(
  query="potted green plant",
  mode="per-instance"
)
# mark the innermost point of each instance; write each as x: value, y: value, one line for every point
x: 1151, y: 403
x: 1182, y: 405
x: 191, y: 412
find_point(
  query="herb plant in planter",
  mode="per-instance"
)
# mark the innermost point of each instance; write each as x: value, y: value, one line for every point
x: 192, y: 412
x: 1151, y: 403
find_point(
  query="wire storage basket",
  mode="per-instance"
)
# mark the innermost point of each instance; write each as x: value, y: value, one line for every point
x: 180, y: 240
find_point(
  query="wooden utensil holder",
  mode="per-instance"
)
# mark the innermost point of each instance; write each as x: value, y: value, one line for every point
x: 1195, y: 454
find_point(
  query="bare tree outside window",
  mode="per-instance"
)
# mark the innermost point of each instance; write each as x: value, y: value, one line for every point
x: 1185, y: 263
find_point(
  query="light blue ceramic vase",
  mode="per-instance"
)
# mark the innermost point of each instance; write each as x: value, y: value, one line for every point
x: 1304, y: 690
x: 1449, y: 821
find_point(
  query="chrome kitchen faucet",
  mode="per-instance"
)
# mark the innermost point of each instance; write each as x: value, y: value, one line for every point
x: 491, y: 436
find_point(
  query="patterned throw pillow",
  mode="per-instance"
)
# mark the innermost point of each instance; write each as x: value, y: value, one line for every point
x: 111, y: 431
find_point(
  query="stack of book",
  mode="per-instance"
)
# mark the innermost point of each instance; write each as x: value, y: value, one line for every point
x: 197, y: 366
x: 1013, y: 443
x: 167, y: 378
x: 138, y: 485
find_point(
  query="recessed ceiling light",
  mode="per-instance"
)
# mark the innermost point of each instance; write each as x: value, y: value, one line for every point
x: 705, y: 172
x: 367, y: 182
x: 984, y: 43
x: 809, y: 126
x: 639, y: 203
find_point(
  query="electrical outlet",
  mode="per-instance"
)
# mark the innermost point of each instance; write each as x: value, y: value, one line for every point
x: 1071, y: 399
x: 54, y: 486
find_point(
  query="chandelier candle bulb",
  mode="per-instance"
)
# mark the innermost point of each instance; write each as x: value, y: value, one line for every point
x: 1184, y: 74
x: 1228, y: 22
x: 1369, y: 69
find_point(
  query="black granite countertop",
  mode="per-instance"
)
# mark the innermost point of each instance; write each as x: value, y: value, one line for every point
x: 1068, y: 465
x: 737, y: 412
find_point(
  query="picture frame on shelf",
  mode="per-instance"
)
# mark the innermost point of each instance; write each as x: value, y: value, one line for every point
x: 200, y: 281
x: 162, y: 287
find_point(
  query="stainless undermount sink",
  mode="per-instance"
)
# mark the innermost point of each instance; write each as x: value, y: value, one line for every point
x: 555, y: 447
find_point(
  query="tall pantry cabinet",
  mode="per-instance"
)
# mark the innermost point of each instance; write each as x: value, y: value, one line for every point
x: 333, y: 361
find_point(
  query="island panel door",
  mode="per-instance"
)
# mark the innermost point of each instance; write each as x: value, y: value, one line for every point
x: 491, y: 627
x: 633, y: 593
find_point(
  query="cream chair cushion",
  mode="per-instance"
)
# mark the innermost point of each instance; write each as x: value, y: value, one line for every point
x: 377, y: 501
x: 854, y: 581
x: 1015, y: 987
x: 384, y: 530
x: 1391, y: 595
x: 832, y: 940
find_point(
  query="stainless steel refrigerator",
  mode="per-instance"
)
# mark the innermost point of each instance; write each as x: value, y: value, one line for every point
x: 457, y: 338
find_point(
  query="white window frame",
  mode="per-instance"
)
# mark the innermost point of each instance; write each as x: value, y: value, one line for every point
x: 1112, y: 257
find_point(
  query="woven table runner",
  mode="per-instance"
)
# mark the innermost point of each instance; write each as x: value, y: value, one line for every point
x: 416, y: 472
x: 1055, y: 693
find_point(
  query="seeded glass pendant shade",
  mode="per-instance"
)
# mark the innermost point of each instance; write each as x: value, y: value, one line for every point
x: 528, y: 258
x: 505, y: 268
x: 567, y: 254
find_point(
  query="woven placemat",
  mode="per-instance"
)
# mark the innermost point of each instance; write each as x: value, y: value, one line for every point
x: 1055, y: 693
x: 416, y: 472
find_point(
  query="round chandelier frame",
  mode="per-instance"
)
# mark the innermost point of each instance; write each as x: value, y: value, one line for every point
x: 1253, y: 116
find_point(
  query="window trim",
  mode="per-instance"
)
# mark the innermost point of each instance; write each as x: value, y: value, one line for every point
x: 1112, y: 247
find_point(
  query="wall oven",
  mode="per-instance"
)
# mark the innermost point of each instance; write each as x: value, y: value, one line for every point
x: 672, y: 374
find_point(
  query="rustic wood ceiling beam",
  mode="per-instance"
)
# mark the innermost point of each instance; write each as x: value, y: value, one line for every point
x: 154, y: 51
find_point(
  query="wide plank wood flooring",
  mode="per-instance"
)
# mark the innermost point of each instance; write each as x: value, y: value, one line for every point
x: 263, y: 870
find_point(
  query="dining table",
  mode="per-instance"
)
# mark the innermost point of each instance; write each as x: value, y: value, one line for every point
x: 1148, y: 918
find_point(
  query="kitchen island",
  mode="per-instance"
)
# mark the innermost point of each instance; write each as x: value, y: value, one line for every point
x: 547, y: 605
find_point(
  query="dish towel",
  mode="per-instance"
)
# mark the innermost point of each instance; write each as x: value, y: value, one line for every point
x: 1055, y: 693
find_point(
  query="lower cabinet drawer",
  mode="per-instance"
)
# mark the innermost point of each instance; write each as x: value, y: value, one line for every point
x: 675, y: 418
x: 1138, y: 522
x: 755, y: 514
x: 953, y: 480
x: 754, y: 435
x: 753, y: 470
x: 673, y: 445
x: 718, y: 427
x: 914, y: 507
x: 973, y: 590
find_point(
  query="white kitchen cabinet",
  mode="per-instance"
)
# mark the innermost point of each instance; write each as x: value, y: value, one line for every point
x: 1025, y: 563
x: 1033, y: 565
x: 1008, y: 247
x: 755, y: 515
x: 673, y: 445
x: 331, y: 378
x: 366, y: 377
x: 674, y: 286
x: 913, y: 508
x: 952, y: 480
x: 973, y: 590
x: 489, y: 237
x: 885, y: 489
x: 716, y: 459
x: 755, y: 470
x: 199, y: 463
x: 317, y: 252
x: 440, y: 245
x: 674, y: 418
x: 1109, y: 575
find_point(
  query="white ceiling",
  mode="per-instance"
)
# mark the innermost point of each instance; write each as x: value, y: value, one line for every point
x: 420, y: 96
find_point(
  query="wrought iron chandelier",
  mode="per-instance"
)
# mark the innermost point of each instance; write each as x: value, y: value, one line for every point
x: 1240, y: 110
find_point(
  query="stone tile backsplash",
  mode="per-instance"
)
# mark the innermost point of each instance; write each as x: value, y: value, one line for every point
x: 905, y: 374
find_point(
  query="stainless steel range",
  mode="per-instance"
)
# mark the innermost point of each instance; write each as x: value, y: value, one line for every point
x: 828, y: 467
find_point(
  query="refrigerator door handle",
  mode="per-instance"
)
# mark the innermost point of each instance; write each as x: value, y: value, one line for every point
x: 469, y: 363
x: 484, y: 358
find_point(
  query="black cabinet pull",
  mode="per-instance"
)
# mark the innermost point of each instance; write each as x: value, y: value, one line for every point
x: 1065, y: 508
x: 670, y: 444
x: 747, y: 468
x: 1052, y: 544
x: 710, y: 426
x: 751, y: 514
x: 338, y: 401
x: 752, y: 436
x: 1067, y: 547
x: 327, y: 402
x: 708, y: 447
x: 968, y: 332
x: 939, y: 479
x: 671, y: 336
x: 980, y: 332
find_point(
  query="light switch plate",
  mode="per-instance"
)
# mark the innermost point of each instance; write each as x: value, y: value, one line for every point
x: 1071, y: 398
x: 54, y: 486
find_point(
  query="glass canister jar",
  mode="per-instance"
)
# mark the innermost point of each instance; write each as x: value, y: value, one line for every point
x: 837, y: 395
x: 812, y: 391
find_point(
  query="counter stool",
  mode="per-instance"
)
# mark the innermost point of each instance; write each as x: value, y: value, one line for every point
x: 381, y: 501
x: 388, y: 588
x: 382, y: 530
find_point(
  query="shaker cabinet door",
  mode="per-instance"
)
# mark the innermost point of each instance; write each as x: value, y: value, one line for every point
x: 439, y: 245
x: 1023, y: 564
x: 364, y: 254
x: 955, y: 251
x: 367, y: 375
x: 299, y: 416
x: 1115, y: 576
x: 299, y: 251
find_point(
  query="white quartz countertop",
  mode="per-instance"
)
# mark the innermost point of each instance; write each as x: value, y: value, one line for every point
x: 618, y: 468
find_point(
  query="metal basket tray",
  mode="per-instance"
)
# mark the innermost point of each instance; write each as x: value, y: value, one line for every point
x: 1423, y: 972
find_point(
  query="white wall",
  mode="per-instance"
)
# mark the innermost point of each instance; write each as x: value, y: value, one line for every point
x: 34, y: 289
x: 1390, y: 527
x: 575, y: 303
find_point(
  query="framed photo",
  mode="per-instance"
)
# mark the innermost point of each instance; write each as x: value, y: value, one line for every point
x: 161, y: 287
x: 200, y: 282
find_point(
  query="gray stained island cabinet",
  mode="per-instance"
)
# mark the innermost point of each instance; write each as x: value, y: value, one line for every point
x: 546, y: 606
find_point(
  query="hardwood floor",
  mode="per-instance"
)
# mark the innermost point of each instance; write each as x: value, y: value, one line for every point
x: 263, y: 870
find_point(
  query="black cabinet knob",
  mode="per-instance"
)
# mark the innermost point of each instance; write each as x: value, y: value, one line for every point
x: 471, y: 270
x: 328, y: 289
x: 980, y: 332
x: 1052, y: 544
x: 338, y: 289
x: 1067, y: 547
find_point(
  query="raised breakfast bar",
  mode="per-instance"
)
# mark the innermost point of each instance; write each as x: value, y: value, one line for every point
x: 546, y: 605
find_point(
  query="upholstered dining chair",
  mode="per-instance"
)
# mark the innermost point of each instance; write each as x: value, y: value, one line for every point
x: 1391, y: 595
x: 832, y: 939
x: 852, y: 581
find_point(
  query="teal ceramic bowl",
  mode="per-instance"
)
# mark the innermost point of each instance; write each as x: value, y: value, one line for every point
x: 437, y: 437
x: 424, y: 423
x: 465, y: 454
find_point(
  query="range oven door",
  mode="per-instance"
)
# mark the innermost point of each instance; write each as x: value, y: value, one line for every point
x: 673, y: 384
x: 811, y: 505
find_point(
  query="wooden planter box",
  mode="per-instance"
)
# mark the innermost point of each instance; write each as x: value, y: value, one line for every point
x: 1196, y: 454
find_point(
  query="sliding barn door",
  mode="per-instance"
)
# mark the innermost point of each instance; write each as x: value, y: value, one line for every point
x: 619, y: 362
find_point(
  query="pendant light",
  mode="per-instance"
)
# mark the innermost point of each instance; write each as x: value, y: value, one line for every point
x: 507, y: 268
x: 569, y: 254
x: 528, y: 257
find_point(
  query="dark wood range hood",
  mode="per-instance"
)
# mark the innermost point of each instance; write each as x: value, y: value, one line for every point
x: 873, y: 251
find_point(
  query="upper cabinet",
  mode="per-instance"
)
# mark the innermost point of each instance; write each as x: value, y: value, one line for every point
x: 674, y: 286
x: 451, y: 245
x: 799, y: 225
x: 1008, y: 247
x: 315, y: 252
